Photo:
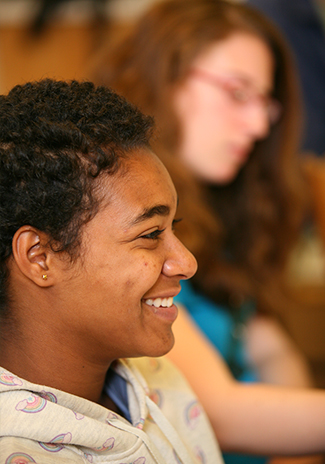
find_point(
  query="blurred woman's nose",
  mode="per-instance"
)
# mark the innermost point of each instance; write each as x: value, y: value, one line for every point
x: 180, y: 261
x: 257, y: 121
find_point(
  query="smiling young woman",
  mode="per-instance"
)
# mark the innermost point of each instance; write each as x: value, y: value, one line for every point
x: 89, y: 269
x: 124, y: 265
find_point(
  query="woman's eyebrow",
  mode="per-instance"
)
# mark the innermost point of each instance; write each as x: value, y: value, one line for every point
x: 148, y: 213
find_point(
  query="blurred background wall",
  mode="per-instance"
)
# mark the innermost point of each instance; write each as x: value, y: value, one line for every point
x: 54, y: 38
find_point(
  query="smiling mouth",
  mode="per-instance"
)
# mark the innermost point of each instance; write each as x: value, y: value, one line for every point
x: 160, y: 302
x: 163, y: 308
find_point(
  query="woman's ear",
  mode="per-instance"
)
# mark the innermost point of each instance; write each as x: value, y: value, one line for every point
x: 32, y: 255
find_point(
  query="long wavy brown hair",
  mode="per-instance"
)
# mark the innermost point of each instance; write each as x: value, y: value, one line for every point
x: 241, y: 233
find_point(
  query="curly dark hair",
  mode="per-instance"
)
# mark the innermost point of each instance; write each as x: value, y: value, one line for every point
x: 56, y: 138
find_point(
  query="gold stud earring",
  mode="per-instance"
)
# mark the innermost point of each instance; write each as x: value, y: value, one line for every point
x: 44, y: 276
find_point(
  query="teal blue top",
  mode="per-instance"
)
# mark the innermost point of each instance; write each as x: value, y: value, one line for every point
x: 224, y: 328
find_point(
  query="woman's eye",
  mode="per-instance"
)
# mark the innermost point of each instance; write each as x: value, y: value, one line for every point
x: 240, y: 95
x: 153, y: 235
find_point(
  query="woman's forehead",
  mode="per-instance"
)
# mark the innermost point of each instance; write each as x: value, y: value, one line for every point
x: 240, y: 55
x: 141, y: 182
x: 240, y: 49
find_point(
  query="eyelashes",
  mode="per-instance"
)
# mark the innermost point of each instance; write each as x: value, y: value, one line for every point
x: 176, y: 221
x: 153, y: 235
x: 156, y: 233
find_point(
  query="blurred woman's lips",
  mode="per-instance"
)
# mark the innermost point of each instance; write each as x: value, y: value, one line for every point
x: 240, y: 152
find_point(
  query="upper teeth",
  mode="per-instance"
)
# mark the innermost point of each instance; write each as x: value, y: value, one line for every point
x: 164, y: 302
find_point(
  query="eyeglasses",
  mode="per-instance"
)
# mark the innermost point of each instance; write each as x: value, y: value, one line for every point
x: 242, y: 93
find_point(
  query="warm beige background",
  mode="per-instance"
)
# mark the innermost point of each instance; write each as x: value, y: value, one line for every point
x: 64, y: 48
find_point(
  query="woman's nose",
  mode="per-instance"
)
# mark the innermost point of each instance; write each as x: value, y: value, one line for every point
x: 180, y: 261
x: 257, y: 121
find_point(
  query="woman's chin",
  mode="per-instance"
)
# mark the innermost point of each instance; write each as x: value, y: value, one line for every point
x: 223, y: 177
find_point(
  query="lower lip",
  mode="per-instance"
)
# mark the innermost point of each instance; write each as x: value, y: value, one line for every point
x: 239, y: 154
x: 168, y: 314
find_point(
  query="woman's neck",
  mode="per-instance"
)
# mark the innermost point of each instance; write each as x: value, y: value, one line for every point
x: 39, y: 361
